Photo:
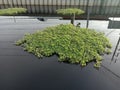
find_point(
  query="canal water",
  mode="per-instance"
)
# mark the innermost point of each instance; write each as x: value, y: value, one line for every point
x: 20, y: 70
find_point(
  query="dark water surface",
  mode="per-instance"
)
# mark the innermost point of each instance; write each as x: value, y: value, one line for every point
x: 20, y: 70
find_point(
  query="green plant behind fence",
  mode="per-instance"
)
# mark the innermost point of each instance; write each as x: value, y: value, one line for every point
x: 12, y: 11
x: 71, y: 12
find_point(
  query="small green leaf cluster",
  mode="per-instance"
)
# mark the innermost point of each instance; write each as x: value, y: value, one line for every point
x: 70, y: 11
x: 12, y: 11
x: 72, y: 44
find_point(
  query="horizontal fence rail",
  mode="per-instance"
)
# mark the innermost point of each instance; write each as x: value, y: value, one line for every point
x: 96, y: 7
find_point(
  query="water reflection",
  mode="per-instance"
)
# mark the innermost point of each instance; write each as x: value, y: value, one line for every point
x: 114, y: 23
x: 114, y: 59
x: 26, y: 72
x: 116, y: 52
x: 117, y: 75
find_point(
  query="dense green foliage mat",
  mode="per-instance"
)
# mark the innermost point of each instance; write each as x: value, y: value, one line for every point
x: 72, y: 44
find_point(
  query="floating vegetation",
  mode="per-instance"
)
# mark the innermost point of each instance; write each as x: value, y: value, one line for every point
x: 71, y: 44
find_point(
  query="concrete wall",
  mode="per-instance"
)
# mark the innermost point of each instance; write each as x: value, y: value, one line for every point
x: 97, y: 7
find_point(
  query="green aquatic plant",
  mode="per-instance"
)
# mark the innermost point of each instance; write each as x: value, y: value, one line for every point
x: 72, y: 44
